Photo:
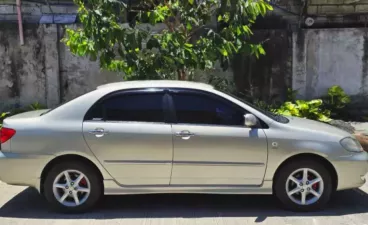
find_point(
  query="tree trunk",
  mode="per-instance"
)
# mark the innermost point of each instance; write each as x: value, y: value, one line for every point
x: 181, y: 74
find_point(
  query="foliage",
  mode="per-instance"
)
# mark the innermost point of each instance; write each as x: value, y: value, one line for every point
x: 36, y: 106
x: 336, y: 100
x: 2, y: 117
x: 291, y: 94
x: 315, y: 109
x: 263, y: 105
x: 189, y: 41
x: 221, y: 83
x: 305, y: 109
x: 337, y: 97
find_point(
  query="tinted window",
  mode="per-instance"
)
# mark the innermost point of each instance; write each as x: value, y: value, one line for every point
x: 129, y: 107
x: 202, y: 109
x: 274, y: 116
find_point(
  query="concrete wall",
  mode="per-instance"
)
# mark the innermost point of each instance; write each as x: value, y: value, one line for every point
x: 23, y: 75
x: 310, y: 61
x: 32, y: 11
x: 43, y: 70
x: 325, y: 57
x: 337, y: 7
x: 79, y: 75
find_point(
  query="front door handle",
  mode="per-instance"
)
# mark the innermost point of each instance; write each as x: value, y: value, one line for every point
x: 184, y: 134
x: 98, y: 132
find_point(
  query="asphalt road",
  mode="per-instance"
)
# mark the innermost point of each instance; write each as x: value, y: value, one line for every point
x: 21, y: 205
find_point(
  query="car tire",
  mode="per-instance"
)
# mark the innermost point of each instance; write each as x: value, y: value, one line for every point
x: 88, y: 190
x: 284, y: 184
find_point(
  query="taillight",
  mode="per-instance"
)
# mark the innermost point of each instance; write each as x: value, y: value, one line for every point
x: 6, y: 134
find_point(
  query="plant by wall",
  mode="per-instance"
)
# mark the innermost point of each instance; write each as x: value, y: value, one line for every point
x: 317, y: 109
x: 335, y: 101
x: 2, y: 117
x: 305, y: 109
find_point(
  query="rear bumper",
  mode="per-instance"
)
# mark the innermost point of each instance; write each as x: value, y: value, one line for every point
x: 351, y: 170
x: 22, y: 169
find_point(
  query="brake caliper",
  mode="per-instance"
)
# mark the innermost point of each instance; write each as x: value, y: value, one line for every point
x: 83, y: 181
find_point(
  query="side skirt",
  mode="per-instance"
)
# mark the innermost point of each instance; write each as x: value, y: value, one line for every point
x: 112, y: 188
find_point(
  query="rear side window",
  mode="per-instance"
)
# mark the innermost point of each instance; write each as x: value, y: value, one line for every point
x: 129, y: 107
x: 202, y: 109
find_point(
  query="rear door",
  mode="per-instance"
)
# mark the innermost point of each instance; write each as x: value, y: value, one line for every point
x: 128, y: 134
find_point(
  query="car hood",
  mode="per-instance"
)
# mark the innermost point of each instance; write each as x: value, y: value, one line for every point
x: 315, y: 126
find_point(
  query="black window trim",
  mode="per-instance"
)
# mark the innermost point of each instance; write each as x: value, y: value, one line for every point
x: 261, y: 125
x: 165, y: 105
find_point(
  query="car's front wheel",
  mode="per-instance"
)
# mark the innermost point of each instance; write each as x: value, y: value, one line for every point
x: 72, y: 187
x: 303, y: 185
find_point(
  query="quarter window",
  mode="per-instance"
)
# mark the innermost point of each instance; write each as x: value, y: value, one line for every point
x: 202, y: 109
x: 129, y: 107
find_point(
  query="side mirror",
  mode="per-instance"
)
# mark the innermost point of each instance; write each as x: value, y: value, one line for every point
x: 250, y: 120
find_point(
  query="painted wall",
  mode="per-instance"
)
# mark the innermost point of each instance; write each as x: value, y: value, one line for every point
x: 24, y: 70
x: 325, y: 57
x: 43, y: 70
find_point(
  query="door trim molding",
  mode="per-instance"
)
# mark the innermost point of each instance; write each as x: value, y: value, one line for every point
x: 215, y: 163
x: 137, y: 161
x: 200, y: 163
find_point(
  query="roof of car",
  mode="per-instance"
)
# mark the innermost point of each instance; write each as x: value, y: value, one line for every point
x: 156, y: 83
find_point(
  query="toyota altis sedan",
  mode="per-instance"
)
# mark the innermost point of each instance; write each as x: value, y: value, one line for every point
x: 147, y: 137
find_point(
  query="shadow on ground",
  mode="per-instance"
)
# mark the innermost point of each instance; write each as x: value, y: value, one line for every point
x: 29, y: 204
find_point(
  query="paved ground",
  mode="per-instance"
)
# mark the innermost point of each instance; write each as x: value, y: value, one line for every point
x: 20, y: 205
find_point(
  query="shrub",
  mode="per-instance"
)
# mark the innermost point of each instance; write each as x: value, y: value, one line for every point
x: 305, y: 109
x: 2, y: 117
x: 335, y: 101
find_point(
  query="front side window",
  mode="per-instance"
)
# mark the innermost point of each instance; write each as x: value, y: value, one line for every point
x: 193, y: 108
x: 271, y: 115
x: 129, y: 107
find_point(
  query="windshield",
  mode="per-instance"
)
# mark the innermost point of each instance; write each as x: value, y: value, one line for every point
x: 273, y: 116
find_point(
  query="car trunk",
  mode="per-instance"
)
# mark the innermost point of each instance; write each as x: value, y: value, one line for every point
x: 7, y: 123
x: 29, y: 114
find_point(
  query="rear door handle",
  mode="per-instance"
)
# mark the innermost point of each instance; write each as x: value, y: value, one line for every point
x: 184, y: 134
x: 98, y: 132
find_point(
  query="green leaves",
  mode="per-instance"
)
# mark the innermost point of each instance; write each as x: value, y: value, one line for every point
x: 338, y: 97
x: 4, y: 114
x: 316, y: 109
x: 335, y: 101
x: 305, y: 109
x: 180, y: 40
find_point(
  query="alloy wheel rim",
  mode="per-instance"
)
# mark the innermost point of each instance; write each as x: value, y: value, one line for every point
x: 71, y: 188
x: 304, y: 186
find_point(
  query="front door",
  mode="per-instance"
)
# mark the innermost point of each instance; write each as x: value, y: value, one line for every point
x: 211, y: 144
x: 128, y: 135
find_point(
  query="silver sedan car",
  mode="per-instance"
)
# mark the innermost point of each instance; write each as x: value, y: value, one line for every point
x: 147, y: 137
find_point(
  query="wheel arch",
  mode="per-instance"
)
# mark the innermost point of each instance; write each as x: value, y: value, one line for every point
x: 313, y: 157
x: 68, y: 157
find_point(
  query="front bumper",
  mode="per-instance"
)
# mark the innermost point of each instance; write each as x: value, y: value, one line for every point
x: 351, y: 170
x: 22, y: 169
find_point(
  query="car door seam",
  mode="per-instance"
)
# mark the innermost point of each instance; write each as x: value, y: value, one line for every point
x: 267, y: 156
x: 98, y: 160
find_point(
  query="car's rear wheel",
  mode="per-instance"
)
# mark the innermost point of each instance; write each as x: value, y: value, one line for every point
x: 303, y: 185
x: 72, y: 187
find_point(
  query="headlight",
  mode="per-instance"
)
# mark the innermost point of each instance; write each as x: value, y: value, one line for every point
x: 351, y: 145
